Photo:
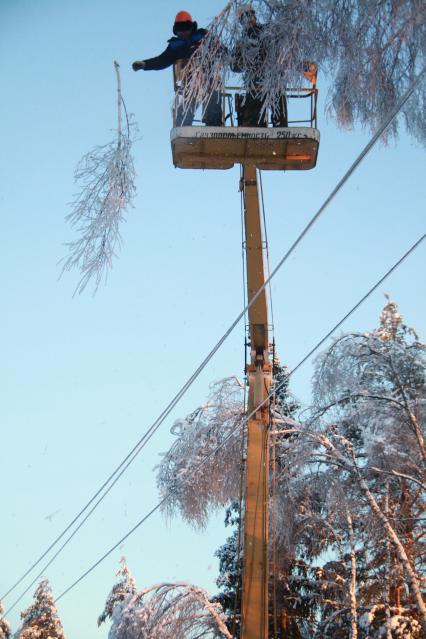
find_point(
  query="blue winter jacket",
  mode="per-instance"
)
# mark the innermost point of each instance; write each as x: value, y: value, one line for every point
x: 177, y: 49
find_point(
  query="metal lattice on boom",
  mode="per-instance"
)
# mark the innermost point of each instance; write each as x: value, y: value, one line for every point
x: 292, y: 147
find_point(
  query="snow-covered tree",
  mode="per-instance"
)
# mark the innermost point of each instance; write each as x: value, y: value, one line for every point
x: 41, y: 620
x: 369, y: 53
x: 349, y: 497
x: 373, y: 386
x: 355, y: 486
x: 347, y: 490
x: 123, y: 589
x: 4, y: 625
x: 212, y: 434
x: 169, y: 611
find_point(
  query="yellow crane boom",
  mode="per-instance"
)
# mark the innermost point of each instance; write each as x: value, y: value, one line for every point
x: 254, y: 617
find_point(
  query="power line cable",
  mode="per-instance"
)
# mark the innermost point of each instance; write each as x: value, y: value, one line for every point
x: 246, y: 419
x: 66, y: 542
x: 154, y: 427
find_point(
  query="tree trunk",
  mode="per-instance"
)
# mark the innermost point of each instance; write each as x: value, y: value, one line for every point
x: 388, y: 586
x: 352, y: 591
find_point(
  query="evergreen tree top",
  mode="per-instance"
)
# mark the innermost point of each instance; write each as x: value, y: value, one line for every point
x: 121, y: 591
x: 41, y: 620
x: 4, y: 625
x: 392, y: 328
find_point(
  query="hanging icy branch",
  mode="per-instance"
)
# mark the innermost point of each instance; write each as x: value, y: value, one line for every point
x: 169, y: 611
x: 368, y: 52
x: 195, y: 494
x: 106, y: 177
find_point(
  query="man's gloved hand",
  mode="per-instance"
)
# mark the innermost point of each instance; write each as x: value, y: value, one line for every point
x: 138, y: 65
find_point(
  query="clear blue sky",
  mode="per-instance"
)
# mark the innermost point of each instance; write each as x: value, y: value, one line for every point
x: 82, y: 378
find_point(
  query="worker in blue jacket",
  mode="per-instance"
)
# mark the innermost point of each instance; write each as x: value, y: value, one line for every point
x: 187, y: 38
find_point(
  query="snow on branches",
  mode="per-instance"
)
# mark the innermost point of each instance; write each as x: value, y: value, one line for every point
x: 269, y: 59
x: 369, y: 52
x: 106, y: 177
x: 377, y: 383
x: 40, y: 620
x: 121, y: 591
x: 166, y: 610
x: 210, y: 435
x: 355, y: 484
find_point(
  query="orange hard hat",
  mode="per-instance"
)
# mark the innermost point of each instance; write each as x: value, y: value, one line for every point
x: 183, y: 16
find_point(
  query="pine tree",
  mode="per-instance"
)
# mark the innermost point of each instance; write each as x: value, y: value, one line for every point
x: 4, y: 625
x: 286, y: 405
x: 230, y: 570
x: 40, y: 620
x: 121, y: 592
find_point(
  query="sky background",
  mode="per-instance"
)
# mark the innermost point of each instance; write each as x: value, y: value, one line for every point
x: 82, y: 378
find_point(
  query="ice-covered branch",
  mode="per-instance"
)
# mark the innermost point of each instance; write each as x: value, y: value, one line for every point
x: 395, y: 473
x: 368, y: 52
x: 211, y: 433
x: 170, y: 611
x: 106, y: 179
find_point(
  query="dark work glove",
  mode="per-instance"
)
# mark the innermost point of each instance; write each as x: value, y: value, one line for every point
x: 138, y: 65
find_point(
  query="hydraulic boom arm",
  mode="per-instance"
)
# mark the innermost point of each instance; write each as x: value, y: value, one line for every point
x: 254, y: 624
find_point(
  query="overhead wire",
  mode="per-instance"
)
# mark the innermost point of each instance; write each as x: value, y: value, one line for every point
x: 62, y: 547
x: 203, y: 461
x: 156, y: 424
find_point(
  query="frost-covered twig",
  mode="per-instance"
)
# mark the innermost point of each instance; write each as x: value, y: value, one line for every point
x: 106, y: 177
x: 401, y: 475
